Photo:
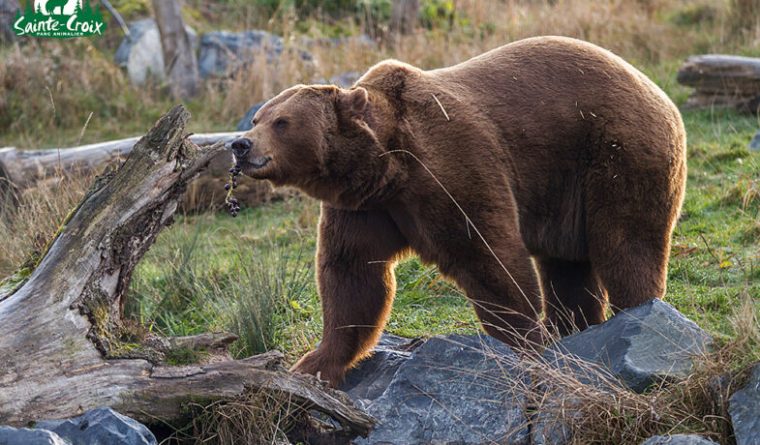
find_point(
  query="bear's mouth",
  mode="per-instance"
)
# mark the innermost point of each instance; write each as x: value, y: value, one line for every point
x: 256, y: 162
x: 254, y: 166
x: 259, y: 161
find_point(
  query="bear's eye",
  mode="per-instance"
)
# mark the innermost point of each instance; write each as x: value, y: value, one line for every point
x: 254, y: 121
x: 280, y: 124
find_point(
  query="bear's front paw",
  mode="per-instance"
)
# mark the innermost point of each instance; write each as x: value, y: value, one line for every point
x: 316, y: 364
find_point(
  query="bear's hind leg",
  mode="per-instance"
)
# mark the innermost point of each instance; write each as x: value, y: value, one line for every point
x: 508, y: 303
x: 573, y: 298
x: 633, y: 272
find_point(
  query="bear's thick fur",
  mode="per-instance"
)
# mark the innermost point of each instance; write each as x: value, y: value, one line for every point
x: 548, y: 166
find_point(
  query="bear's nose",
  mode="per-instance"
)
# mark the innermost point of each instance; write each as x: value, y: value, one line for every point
x: 241, y: 147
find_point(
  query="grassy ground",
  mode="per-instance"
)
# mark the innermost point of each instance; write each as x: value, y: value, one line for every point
x: 205, y: 267
x: 254, y: 275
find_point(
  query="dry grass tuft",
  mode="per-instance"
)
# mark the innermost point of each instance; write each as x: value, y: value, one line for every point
x: 257, y: 417
x: 30, y: 219
x: 595, y: 408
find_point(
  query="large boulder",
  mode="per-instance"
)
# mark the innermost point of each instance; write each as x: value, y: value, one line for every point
x: 744, y: 408
x: 454, y: 389
x: 101, y: 426
x: 222, y: 52
x: 369, y: 380
x: 28, y: 436
x: 140, y: 53
x: 678, y: 439
x: 638, y: 347
x: 641, y: 346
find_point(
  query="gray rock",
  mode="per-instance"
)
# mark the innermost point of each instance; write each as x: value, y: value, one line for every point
x: 140, y: 53
x: 678, y: 439
x: 8, y: 10
x: 100, y: 426
x: 547, y: 429
x: 452, y: 390
x: 245, y: 123
x: 744, y: 408
x: 367, y: 381
x: 640, y: 346
x: 222, y: 51
x: 27, y: 436
x: 754, y: 144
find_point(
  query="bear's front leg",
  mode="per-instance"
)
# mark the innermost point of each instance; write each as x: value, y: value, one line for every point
x: 356, y: 254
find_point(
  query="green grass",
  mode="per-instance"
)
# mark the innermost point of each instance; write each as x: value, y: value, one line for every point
x: 253, y: 275
x: 207, y: 268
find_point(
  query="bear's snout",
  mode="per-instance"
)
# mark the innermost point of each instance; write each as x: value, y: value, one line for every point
x: 240, y: 147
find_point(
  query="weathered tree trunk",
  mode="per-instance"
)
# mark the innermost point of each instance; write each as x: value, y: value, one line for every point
x: 404, y: 16
x: 63, y: 345
x: 179, y: 57
x: 23, y: 169
x: 722, y: 80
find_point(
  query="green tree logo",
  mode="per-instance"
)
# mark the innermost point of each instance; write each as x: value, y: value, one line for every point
x: 60, y: 19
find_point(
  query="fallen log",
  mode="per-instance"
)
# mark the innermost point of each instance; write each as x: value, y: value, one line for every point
x: 722, y: 81
x: 23, y: 169
x: 63, y: 343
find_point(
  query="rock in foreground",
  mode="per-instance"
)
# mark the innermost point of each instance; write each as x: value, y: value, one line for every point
x: 454, y: 389
x: 641, y: 346
x: 100, y: 426
x: 678, y: 439
x: 371, y: 377
x: 28, y: 436
x: 744, y: 408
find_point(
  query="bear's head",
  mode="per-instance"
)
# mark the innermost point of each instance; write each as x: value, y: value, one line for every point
x: 327, y: 141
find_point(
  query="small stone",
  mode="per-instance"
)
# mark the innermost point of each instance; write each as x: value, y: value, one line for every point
x: 678, y: 439
x: 744, y: 408
x: 754, y: 144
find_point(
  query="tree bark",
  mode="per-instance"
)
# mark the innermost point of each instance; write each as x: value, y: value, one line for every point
x: 63, y: 345
x: 179, y: 58
x: 722, y: 80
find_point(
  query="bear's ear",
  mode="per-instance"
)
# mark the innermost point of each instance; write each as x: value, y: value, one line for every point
x: 353, y: 103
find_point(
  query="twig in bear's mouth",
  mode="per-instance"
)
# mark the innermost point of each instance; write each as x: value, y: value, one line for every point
x: 233, y: 205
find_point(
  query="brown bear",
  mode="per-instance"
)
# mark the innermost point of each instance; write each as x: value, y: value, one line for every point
x: 548, y: 166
